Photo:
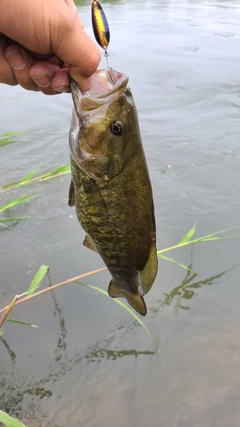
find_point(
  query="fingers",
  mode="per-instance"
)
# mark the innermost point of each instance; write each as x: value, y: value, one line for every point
x: 50, y: 78
x: 6, y: 73
x: 17, y: 66
x: 61, y: 81
x: 20, y: 62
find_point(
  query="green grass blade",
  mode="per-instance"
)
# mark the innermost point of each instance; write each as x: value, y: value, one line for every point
x: 6, y: 141
x: 118, y: 301
x: 29, y: 179
x: 24, y: 181
x: 175, y: 262
x: 189, y: 234
x: 215, y: 235
x: 59, y: 171
x: 8, y: 138
x: 37, y: 279
x: 14, y: 219
x: 21, y: 322
x: 18, y: 201
x: 7, y: 134
x: 29, y: 176
x: 207, y: 238
x: 5, y: 226
x: 231, y: 236
x: 9, y: 421
x: 1, y: 333
x: 62, y: 169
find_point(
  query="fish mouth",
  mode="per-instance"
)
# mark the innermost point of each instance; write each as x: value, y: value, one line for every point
x: 107, y: 85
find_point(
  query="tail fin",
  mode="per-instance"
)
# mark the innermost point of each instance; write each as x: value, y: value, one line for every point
x: 135, y: 300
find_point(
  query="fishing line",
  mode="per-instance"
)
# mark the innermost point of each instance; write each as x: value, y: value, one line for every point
x: 100, y: 28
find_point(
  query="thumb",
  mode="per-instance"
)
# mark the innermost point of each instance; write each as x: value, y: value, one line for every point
x: 73, y: 45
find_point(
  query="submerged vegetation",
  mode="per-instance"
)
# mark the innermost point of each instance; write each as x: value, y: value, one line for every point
x: 31, y: 178
x: 31, y: 293
x: 36, y: 177
x: 185, y: 290
x: 26, y: 180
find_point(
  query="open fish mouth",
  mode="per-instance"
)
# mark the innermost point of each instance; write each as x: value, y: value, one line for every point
x: 107, y: 85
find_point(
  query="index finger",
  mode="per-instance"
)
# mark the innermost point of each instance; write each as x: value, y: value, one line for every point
x: 76, y: 48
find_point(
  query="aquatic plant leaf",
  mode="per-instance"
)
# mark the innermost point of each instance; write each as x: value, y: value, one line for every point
x: 24, y: 181
x: 7, y: 138
x: 29, y: 176
x: 207, y: 238
x: 175, y: 262
x: 29, y: 179
x: 20, y: 322
x: 37, y: 279
x: 6, y: 141
x: 14, y: 219
x: 61, y: 169
x: 9, y: 421
x: 118, y: 301
x: 17, y: 201
x: 7, y: 134
x: 188, y: 236
x: 5, y: 226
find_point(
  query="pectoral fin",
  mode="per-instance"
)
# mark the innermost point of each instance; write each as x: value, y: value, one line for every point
x: 135, y: 300
x: 89, y: 243
x: 71, y: 196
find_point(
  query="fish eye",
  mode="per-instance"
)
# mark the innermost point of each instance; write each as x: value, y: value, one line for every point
x: 117, y: 128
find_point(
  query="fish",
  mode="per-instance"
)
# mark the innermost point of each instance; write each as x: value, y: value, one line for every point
x: 100, y: 25
x: 110, y: 186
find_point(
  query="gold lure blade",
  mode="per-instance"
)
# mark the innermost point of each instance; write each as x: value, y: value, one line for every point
x: 100, y: 26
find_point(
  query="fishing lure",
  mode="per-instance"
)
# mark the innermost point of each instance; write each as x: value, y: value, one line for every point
x: 100, y: 26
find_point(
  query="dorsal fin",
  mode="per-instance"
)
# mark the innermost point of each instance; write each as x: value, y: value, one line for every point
x: 135, y: 300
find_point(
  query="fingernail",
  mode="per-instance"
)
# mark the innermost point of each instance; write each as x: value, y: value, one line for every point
x: 42, y: 80
x: 16, y: 59
x: 62, y: 89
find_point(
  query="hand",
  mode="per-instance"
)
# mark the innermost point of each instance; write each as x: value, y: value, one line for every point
x: 43, y: 42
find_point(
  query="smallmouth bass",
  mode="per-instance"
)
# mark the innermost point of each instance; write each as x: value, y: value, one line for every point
x: 110, y: 185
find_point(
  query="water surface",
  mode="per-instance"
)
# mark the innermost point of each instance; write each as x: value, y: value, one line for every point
x: 88, y: 363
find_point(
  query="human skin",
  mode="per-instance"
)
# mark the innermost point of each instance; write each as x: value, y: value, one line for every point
x: 42, y: 42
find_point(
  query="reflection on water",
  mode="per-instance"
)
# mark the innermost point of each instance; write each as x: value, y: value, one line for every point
x: 11, y: 353
x: 96, y: 354
x: 17, y: 392
x: 187, y: 289
x: 61, y: 345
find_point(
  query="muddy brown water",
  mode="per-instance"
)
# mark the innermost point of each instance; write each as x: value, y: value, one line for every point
x: 89, y: 363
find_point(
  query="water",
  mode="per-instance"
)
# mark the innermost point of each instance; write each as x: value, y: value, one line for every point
x: 88, y: 363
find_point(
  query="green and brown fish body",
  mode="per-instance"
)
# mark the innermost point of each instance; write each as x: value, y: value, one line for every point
x: 110, y: 186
